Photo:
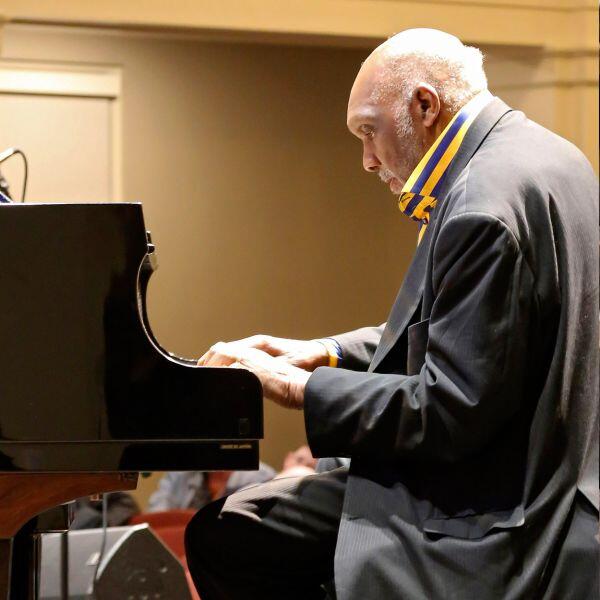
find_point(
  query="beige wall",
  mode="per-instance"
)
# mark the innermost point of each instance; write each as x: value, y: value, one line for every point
x: 558, y: 89
x: 253, y: 189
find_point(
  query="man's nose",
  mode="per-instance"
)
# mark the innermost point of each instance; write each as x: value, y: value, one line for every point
x: 370, y: 161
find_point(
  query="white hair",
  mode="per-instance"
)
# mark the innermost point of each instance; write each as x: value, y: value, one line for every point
x: 429, y: 56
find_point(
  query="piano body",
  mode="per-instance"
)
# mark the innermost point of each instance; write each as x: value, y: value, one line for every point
x: 88, y: 397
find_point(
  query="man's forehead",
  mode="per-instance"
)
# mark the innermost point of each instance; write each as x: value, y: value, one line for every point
x: 361, y: 111
x: 362, y: 102
x: 369, y: 72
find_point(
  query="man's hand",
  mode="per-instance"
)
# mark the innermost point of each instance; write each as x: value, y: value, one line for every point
x: 306, y: 354
x: 282, y: 382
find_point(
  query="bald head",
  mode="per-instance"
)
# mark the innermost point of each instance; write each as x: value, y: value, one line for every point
x: 405, y: 93
x: 429, y: 56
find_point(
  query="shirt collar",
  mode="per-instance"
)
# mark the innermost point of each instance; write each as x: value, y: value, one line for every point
x: 419, y: 194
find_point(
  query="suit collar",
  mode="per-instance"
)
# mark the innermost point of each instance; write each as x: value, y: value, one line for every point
x: 411, y: 292
x: 479, y: 130
x: 420, y: 192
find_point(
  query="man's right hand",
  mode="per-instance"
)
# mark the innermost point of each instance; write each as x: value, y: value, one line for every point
x: 305, y: 354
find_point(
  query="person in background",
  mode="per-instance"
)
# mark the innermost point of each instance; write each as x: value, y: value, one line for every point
x: 120, y: 507
x: 195, y: 489
x: 298, y: 462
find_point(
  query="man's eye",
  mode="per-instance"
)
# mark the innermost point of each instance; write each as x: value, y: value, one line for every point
x: 368, y: 132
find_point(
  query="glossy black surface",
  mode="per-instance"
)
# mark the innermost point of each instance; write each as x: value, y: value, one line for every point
x: 80, y: 365
x: 57, y: 457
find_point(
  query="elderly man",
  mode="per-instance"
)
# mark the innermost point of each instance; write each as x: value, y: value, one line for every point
x: 471, y: 416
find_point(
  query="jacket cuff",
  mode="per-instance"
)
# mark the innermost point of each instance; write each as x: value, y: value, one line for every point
x: 318, y: 413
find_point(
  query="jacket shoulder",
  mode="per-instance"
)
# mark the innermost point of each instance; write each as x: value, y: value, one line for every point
x: 520, y: 169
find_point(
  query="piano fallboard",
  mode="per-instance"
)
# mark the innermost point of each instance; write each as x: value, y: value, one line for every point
x: 87, y: 457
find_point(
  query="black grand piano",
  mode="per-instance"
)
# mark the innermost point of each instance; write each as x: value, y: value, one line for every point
x: 88, y: 398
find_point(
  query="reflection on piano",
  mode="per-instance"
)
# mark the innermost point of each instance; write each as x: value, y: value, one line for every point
x: 87, y: 394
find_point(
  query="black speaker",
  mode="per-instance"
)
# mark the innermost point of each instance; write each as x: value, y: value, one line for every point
x: 136, y: 566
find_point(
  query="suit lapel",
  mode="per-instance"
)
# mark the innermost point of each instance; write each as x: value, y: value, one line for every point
x: 406, y: 302
x: 411, y: 292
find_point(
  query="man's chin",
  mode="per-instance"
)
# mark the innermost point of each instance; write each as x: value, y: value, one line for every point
x: 396, y: 186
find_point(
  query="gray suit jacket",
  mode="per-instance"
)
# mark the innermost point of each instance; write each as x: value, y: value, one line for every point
x: 471, y: 418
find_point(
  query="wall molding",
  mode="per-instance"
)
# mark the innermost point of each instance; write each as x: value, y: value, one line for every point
x: 552, y: 69
x: 25, y: 77
x: 565, y: 23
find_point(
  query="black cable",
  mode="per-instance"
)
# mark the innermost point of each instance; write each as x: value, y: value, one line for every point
x: 64, y: 563
x: 25, y: 173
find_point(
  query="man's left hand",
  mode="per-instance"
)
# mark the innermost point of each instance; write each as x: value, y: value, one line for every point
x: 282, y: 382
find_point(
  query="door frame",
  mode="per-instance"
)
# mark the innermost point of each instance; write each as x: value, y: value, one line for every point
x: 40, y: 78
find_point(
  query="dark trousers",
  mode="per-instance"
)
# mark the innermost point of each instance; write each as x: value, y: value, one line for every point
x: 274, y: 540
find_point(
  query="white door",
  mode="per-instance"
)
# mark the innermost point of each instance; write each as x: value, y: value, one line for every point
x: 66, y: 121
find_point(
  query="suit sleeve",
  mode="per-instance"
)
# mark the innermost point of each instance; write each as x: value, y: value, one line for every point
x: 472, y: 378
x: 358, y: 347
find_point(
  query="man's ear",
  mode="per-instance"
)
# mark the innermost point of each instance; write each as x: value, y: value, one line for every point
x: 425, y: 105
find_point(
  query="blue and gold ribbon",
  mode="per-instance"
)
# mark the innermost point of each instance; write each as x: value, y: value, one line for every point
x: 419, y: 194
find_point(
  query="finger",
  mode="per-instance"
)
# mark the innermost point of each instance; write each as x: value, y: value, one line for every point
x: 251, y: 357
x: 266, y: 343
x: 253, y: 340
x: 202, y: 360
x: 273, y: 346
x: 222, y: 355
x: 207, y: 356
x: 293, y: 358
x: 220, y: 360
x: 270, y: 345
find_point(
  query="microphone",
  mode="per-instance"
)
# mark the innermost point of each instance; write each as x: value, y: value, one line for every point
x: 5, y: 155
